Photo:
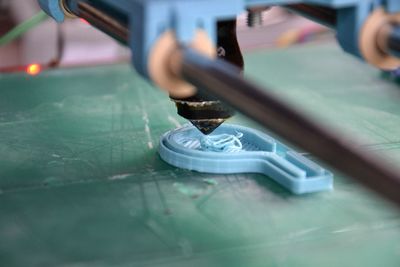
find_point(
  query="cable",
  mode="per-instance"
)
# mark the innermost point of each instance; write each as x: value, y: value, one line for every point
x: 22, y: 28
x: 60, y: 47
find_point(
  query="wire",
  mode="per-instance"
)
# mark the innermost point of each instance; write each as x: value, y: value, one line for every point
x: 60, y: 47
x: 22, y: 28
x: 53, y: 63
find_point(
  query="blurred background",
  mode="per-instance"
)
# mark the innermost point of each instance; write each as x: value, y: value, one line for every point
x: 37, y: 39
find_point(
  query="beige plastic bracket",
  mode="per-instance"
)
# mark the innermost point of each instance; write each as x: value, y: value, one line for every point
x: 165, y: 61
x: 370, y: 40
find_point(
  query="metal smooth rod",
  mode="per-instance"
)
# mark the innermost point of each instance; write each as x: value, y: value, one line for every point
x: 393, y: 42
x: 101, y: 19
x: 322, y: 15
x: 388, y: 40
x: 221, y: 79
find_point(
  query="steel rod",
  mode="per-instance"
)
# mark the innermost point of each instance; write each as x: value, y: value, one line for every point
x: 100, y: 19
x: 322, y: 15
x: 221, y: 79
x: 393, y: 41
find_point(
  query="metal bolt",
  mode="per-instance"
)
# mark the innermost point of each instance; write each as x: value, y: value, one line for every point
x: 255, y: 16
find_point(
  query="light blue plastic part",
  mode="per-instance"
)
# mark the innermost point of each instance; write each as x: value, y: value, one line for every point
x: 53, y: 9
x: 259, y: 153
x: 147, y: 20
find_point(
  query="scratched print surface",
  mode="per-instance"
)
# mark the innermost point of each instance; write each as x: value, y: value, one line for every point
x: 82, y: 184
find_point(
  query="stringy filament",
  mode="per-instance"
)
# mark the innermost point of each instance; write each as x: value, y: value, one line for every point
x: 222, y: 143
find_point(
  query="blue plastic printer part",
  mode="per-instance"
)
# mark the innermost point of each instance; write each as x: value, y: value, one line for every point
x: 53, y: 8
x: 257, y: 153
x: 149, y: 19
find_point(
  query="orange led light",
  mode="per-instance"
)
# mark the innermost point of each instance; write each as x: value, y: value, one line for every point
x: 33, y: 69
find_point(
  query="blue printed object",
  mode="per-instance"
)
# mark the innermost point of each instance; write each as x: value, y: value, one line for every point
x: 257, y: 153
